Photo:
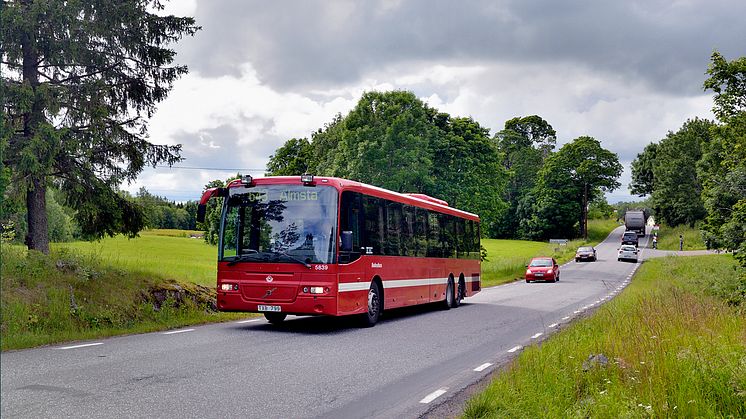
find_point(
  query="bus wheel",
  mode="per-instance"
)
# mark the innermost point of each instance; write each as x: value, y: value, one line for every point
x: 275, y: 318
x: 459, y: 294
x: 448, y: 302
x: 374, y: 305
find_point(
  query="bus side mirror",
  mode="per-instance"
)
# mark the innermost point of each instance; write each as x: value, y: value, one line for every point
x: 346, y: 245
x: 201, y: 209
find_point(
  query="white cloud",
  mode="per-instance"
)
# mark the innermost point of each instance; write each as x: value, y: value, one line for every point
x: 623, y: 114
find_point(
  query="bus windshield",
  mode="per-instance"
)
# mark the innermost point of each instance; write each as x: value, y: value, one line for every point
x: 280, y: 224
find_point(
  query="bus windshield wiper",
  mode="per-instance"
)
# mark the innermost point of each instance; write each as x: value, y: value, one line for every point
x: 243, y: 258
x: 296, y: 259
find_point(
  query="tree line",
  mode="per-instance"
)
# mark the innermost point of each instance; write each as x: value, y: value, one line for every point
x: 696, y: 175
x: 158, y: 212
x: 515, y: 180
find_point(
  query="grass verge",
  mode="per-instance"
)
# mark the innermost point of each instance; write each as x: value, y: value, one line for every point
x: 675, y: 341
x: 169, y: 253
x: 507, y: 259
x: 668, y: 238
x: 72, y: 296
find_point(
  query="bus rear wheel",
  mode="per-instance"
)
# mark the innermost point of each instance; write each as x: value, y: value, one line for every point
x: 459, y: 294
x: 275, y: 318
x: 370, y: 318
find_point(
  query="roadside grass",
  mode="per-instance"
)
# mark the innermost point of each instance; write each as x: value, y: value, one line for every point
x: 173, y: 233
x: 166, y: 253
x: 507, y: 259
x: 675, y: 340
x: 71, y: 295
x: 668, y: 238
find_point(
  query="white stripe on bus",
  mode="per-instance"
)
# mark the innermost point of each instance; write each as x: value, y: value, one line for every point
x: 397, y: 283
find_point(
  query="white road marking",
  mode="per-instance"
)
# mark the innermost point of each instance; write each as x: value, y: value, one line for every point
x: 515, y: 348
x: 483, y: 367
x: 536, y: 335
x: 434, y: 395
x: 566, y: 317
x: 81, y: 346
x: 249, y: 321
x: 552, y: 325
x: 576, y: 312
x: 173, y: 332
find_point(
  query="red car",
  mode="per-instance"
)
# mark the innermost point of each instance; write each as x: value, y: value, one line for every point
x: 542, y: 269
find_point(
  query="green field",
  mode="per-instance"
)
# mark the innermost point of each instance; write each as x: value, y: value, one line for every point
x: 675, y: 341
x: 668, y: 238
x: 165, y: 253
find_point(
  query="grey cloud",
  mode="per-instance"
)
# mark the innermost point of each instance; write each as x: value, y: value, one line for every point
x: 316, y: 43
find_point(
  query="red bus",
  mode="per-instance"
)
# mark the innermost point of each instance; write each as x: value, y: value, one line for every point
x: 329, y: 246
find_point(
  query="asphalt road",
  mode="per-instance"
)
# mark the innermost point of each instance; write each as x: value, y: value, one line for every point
x: 411, y: 361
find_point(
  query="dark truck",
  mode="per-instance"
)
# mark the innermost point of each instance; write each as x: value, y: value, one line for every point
x: 635, y: 221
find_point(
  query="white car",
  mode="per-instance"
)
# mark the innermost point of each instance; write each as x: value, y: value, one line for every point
x: 627, y: 252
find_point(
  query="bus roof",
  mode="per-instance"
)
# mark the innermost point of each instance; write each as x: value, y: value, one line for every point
x: 418, y: 200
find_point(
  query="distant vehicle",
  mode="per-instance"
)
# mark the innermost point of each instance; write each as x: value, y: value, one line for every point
x: 585, y: 253
x: 542, y: 269
x: 630, y: 237
x: 329, y: 246
x: 635, y: 221
x: 627, y: 252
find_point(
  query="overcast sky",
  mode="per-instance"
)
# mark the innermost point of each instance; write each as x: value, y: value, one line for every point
x: 261, y: 72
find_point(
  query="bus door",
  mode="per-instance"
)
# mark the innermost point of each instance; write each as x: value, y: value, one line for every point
x: 353, y: 285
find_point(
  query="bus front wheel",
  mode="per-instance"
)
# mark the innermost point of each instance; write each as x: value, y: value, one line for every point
x: 275, y: 318
x: 374, y: 305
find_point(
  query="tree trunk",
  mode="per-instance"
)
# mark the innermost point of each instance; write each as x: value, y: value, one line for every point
x: 36, y: 207
x: 36, y: 192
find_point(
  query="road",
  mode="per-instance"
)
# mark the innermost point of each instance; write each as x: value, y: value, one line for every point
x: 412, y: 360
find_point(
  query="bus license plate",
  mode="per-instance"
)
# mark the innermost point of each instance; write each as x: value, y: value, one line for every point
x: 269, y: 308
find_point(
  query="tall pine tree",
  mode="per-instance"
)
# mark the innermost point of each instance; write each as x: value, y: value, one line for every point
x: 79, y: 79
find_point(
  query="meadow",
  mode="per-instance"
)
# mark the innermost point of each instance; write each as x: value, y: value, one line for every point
x: 668, y: 238
x: 170, y: 254
x: 675, y: 343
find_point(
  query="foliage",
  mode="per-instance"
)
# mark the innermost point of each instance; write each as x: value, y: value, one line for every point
x: 674, y: 340
x: 569, y: 179
x: 162, y: 213
x: 82, y: 78
x: 677, y: 189
x: 524, y: 144
x: 293, y: 158
x: 642, y: 171
x: 395, y: 141
x: 723, y: 165
x: 599, y: 208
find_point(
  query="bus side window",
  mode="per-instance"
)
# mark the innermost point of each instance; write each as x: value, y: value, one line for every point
x: 407, y: 231
x: 350, y: 220
x: 375, y: 225
x: 434, y: 244
x: 393, y: 229
x: 420, y: 232
x: 447, y: 235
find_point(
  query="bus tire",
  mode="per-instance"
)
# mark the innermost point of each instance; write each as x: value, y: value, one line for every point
x: 375, y: 304
x: 460, y: 291
x: 448, y: 301
x: 275, y: 318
